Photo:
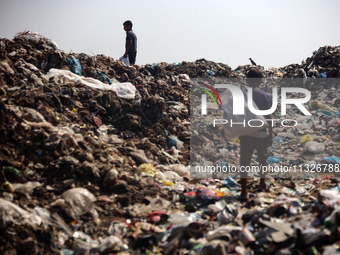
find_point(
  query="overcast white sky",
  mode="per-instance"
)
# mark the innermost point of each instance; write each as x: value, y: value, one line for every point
x: 271, y: 32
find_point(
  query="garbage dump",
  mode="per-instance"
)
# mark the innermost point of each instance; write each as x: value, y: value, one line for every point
x: 95, y: 159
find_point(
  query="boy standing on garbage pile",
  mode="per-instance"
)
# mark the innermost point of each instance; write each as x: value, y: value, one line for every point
x: 262, y: 139
x: 130, y: 43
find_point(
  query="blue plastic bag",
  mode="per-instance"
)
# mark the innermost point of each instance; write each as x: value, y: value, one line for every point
x: 323, y: 75
x: 273, y: 159
x: 173, y: 141
x: 104, y: 78
x: 230, y: 182
x: 75, y: 65
x: 336, y: 160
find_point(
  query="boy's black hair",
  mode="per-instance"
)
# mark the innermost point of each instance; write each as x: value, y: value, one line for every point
x: 254, y: 73
x: 254, y: 77
x: 128, y: 23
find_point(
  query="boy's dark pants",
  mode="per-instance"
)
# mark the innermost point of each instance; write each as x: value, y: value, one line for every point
x: 132, y: 57
x: 248, y: 144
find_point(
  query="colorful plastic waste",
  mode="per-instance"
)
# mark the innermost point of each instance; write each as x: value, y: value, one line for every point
x: 75, y: 65
x: 208, y: 193
x: 306, y: 138
x: 148, y: 168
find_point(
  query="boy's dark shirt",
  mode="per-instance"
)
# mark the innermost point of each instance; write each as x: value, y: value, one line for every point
x: 130, y: 35
x: 262, y: 99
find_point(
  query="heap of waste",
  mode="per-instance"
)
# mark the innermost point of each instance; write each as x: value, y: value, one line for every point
x: 94, y: 159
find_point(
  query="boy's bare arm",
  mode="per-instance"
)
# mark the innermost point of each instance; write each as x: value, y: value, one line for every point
x: 127, y: 48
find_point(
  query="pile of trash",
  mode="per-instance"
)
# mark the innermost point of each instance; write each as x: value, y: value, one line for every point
x: 94, y: 159
x: 323, y: 63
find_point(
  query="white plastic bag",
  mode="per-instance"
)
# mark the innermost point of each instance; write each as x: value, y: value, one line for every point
x: 314, y: 147
x: 76, y: 202
x: 125, y: 60
x: 25, y: 188
x: 13, y: 214
x: 124, y: 90
x: 236, y: 130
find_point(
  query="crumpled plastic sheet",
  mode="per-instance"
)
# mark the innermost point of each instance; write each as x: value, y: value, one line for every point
x: 124, y: 90
x: 77, y: 202
x: 25, y: 188
x: 11, y: 213
x: 315, y: 147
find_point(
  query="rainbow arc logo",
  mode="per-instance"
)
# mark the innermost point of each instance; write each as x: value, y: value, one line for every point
x: 204, y: 97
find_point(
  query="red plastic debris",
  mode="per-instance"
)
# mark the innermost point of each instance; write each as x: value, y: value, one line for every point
x: 97, y: 121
